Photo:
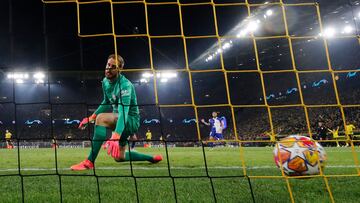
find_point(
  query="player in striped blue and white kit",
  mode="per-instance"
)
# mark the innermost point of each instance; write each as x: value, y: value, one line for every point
x: 217, y: 126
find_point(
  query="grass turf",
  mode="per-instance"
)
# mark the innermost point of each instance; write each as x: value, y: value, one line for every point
x: 185, y: 177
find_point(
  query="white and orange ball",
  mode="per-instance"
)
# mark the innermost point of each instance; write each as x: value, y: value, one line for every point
x: 299, y: 155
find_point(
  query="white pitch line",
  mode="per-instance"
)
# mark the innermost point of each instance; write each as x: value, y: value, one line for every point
x: 165, y: 168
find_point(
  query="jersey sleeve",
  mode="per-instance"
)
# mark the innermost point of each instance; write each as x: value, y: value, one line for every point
x: 223, y: 122
x: 211, y: 121
x: 105, y: 104
x: 124, y: 107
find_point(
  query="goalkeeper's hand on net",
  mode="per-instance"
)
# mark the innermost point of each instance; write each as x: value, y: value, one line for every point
x: 112, y: 146
x: 83, y: 124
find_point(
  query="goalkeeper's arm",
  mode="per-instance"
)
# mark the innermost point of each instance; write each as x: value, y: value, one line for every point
x: 123, y: 110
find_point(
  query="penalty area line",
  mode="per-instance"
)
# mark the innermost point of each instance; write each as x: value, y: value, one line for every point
x: 165, y: 168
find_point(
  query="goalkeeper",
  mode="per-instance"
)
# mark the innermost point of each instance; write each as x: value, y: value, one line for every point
x: 124, y: 121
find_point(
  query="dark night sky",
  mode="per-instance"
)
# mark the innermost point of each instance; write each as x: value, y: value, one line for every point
x: 36, y: 36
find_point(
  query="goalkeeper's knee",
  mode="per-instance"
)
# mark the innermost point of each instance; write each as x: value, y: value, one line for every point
x: 122, y: 157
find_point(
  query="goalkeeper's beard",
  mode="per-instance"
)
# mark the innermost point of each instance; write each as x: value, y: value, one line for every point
x: 111, y: 76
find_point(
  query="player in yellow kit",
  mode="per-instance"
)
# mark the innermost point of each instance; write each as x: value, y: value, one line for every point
x: 335, y: 135
x: 349, y: 132
x: 9, y: 144
x: 148, y: 136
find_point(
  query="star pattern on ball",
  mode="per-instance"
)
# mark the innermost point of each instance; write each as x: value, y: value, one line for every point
x: 298, y: 151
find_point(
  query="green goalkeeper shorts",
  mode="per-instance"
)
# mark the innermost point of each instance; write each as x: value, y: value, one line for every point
x: 131, y: 127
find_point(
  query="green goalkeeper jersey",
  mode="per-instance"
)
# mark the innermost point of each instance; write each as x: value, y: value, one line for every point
x: 125, y: 106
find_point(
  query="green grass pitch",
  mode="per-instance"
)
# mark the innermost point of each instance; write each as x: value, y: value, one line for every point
x: 153, y: 182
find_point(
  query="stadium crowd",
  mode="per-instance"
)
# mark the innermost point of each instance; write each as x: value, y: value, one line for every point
x: 252, y: 124
x: 60, y: 119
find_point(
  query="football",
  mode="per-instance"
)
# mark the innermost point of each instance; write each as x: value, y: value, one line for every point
x: 299, y: 155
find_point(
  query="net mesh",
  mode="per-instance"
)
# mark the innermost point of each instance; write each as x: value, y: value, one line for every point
x: 267, y: 103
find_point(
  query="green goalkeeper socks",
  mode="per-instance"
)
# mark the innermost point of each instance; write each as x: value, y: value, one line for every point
x: 98, y: 139
x: 136, y: 156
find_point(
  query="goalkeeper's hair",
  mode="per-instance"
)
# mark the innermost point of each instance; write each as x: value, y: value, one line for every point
x: 120, y: 60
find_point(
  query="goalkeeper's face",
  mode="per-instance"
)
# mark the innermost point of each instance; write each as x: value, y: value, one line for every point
x: 111, y: 70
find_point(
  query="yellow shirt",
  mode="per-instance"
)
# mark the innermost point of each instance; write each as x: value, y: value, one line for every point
x: 8, y: 135
x: 349, y: 129
x: 335, y: 133
x: 148, y: 135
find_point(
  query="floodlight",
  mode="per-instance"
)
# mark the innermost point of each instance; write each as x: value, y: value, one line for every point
x: 329, y: 32
x: 19, y: 81
x: 143, y: 80
x: 168, y: 75
x: 269, y: 12
x: 242, y: 33
x: 18, y: 75
x: 39, y: 75
x: 38, y: 81
x: 147, y: 75
x: 253, y: 25
x: 348, y: 29
x: 226, y: 45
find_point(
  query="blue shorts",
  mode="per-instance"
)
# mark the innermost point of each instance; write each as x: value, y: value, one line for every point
x: 217, y: 136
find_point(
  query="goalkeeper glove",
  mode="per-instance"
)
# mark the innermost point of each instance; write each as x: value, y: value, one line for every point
x: 113, y: 146
x: 86, y: 121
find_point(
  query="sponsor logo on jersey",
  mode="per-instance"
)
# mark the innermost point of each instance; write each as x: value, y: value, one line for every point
x: 125, y: 93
